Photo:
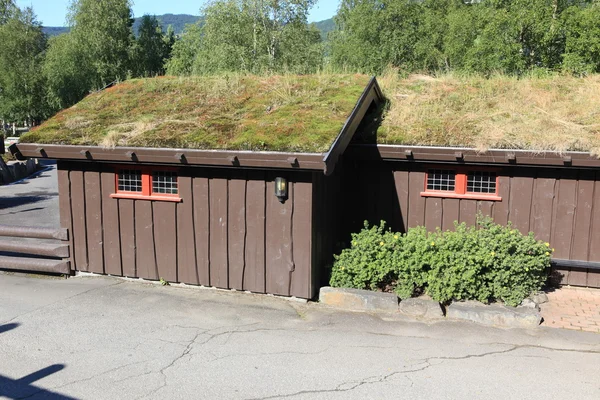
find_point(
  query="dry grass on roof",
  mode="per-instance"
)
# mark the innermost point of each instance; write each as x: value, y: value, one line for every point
x: 239, y: 112
x: 558, y: 114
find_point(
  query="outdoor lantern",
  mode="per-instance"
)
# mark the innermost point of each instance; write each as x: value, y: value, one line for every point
x: 281, y: 189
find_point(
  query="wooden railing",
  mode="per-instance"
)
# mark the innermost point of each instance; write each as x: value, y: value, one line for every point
x: 50, y: 254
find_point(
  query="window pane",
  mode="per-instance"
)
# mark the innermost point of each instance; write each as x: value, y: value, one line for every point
x: 130, y: 180
x: 164, y: 182
x: 441, y: 179
x: 481, y: 182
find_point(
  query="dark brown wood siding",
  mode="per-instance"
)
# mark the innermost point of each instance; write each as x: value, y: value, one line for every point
x: 561, y: 206
x: 229, y: 231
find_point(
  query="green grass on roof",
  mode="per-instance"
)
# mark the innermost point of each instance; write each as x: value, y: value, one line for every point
x: 558, y: 114
x: 277, y: 113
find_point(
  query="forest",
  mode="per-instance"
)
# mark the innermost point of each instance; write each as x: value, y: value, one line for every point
x: 41, y: 75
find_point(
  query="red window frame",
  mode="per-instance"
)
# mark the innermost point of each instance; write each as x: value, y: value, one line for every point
x: 460, y: 184
x: 146, y: 193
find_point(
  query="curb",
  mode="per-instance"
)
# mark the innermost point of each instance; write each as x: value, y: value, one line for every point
x: 430, y: 310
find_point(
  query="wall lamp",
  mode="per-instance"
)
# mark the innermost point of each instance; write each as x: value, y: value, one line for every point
x: 281, y: 189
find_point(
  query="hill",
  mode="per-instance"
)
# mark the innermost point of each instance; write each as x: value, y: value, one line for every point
x: 179, y: 21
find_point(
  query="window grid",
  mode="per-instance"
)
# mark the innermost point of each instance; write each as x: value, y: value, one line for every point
x: 130, y: 180
x: 481, y: 182
x: 441, y: 180
x: 164, y: 182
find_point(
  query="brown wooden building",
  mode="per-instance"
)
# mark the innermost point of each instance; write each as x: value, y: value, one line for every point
x: 204, y: 217
x: 211, y: 217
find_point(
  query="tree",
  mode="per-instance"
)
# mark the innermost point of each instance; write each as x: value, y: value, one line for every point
x: 250, y: 35
x: 68, y: 78
x: 7, y: 10
x: 22, y: 47
x: 96, y: 51
x: 582, y: 43
x: 152, y: 48
x: 103, y: 31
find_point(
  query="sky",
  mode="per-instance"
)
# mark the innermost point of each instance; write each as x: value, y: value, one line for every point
x: 53, y: 12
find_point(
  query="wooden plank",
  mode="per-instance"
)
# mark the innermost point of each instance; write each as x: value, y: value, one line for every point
x: 542, y: 206
x: 583, y: 222
x: 145, y: 252
x: 202, y: 232
x: 64, y: 204
x: 468, y: 212
x: 165, y: 239
x: 521, y: 192
x: 279, y: 261
x: 79, y: 230
x: 485, y: 208
x: 501, y: 208
x: 236, y: 234
x: 416, y: 203
x: 565, y: 215
x: 218, y: 233
x: 593, y: 279
x: 451, y: 213
x: 110, y: 223
x: 254, y: 275
x: 34, y: 232
x: 59, y: 250
x: 93, y: 220
x: 302, y: 241
x: 433, y: 213
x: 186, y: 246
x: 594, y: 243
x: 127, y: 237
x: 35, y: 264
x: 402, y: 185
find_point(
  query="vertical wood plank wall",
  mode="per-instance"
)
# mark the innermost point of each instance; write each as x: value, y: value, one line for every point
x: 562, y: 207
x: 230, y: 231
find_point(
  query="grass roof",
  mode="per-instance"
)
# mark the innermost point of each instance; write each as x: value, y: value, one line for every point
x: 278, y: 113
x: 558, y: 114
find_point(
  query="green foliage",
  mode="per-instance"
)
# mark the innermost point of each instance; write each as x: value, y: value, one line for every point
x: 368, y: 263
x: 152, y: 47
x: 22, y: 47
x: 250, y: 36
x: 486, y: 262
x: 484, y: 36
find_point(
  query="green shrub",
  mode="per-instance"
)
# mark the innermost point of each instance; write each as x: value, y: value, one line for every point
x: 486, y: 262
x: 368, y: 263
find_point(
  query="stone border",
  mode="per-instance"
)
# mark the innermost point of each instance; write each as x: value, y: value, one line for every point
x: 423, y: 308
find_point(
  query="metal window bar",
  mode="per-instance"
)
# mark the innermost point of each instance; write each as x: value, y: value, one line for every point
x: 164, y: 182
x: 481, y: 182
x: 441, y: 180
x: 130, y: 180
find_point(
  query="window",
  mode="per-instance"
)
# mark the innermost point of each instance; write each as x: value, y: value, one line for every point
x: 146, y: 184
x: 462, y: 183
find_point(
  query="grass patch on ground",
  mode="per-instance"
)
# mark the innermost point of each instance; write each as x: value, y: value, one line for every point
x: 236, y: 112
x: 556, y: 113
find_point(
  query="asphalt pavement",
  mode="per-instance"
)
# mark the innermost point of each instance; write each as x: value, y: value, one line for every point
x: 108, y: 338
x: 32, y: 201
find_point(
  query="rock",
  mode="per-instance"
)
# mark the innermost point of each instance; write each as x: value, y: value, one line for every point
x: 358, y: 300
x: 494, y: 315
x: 539, y: 298
x: 421, y: 308
x: 528, y: 303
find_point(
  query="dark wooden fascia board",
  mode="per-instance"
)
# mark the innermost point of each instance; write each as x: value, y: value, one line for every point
x: 472, y: 156
x: 221, y: 158
x: 372, y: 93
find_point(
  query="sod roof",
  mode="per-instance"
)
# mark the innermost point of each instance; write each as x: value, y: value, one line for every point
x: 557, y: 114
x: 275, y: 113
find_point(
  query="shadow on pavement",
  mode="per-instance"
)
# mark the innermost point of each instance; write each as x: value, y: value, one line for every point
x: 23, y: 388
x: 8, y: 327
x: 15, y: 201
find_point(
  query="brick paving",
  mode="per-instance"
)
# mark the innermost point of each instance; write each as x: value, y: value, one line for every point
x: 573, y: 308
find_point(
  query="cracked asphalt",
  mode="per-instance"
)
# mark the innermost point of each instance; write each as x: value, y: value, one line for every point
x: 106, y: 338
